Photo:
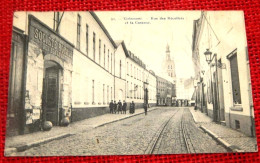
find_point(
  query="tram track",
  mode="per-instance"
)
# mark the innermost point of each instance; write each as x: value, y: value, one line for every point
x: 183, y: 135
x: 157, y: 138
x: 186, y: 136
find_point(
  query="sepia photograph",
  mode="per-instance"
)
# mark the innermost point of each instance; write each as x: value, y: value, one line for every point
x: 86, y: 83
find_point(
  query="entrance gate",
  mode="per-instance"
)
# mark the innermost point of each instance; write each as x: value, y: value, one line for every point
x: 51, y: 95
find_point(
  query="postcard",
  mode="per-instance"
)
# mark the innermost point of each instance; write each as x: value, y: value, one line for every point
x: 129, y: 83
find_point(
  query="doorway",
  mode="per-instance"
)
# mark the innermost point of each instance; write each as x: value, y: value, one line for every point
x: 221, y: 93
x: 15, y: 121
x: 51, y: 92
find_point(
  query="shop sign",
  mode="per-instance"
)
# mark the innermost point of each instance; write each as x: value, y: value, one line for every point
x: 49, y: 41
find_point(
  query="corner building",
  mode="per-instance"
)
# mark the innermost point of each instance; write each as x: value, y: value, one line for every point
x: 59, y: 61
x: 66, y: 65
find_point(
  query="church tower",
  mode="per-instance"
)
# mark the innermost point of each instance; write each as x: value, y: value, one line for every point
x: 168, y: 65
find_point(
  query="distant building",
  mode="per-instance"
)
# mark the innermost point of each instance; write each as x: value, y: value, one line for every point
x: 168, y: 64
x: 165, y: 91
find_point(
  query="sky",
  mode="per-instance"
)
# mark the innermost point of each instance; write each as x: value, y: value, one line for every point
x: 147, y: 33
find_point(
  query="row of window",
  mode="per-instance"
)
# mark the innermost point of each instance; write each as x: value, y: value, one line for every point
x: 107, y: 93
x: 134, y: 72
x: 170, y: 74
x: 107, y: 61
x: 137, y: 91
x: 161, y: 83
x: 161, y: 90
x: 134, y: 91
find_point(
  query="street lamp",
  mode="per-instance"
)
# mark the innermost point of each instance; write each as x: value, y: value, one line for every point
x: 208, y: 56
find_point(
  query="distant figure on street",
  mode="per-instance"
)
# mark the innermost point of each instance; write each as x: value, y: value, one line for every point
x: 119, y: 108
x: 124, y: 107
x: 132, y: 107
x: 145, y: 108
x: 111, y: 106
x: 115, y: 107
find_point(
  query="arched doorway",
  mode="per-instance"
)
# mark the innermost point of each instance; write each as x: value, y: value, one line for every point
x: 51, y: 92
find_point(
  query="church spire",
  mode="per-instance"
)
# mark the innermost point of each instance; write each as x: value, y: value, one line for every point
x: 168, y: 52
x: 167, y: 48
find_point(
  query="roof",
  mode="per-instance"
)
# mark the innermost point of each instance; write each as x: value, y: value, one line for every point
x: 103, y: 28
x: 164, y: 76
x: 121, y: 42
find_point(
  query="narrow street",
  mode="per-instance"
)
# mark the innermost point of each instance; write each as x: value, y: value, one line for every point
x: 166, y: 130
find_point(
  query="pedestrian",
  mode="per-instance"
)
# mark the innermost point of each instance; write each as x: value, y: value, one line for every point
x: 145, y: 108
x: 124, y: 107
x: 111, y: 106
x: 119, y: 109
x: 115, y: 107
x: 132, y: 107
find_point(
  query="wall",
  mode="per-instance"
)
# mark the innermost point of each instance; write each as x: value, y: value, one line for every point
x: 225, y: 40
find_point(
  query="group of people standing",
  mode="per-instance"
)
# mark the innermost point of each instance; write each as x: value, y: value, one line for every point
x: 117, y: 107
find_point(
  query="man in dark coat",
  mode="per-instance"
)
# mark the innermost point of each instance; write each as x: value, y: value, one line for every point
x: 132, y: 107
x: 124, y: 107
x: 145, y: 108
x: 115, y: 107
x: 119, y: 109
x: 111, y: 106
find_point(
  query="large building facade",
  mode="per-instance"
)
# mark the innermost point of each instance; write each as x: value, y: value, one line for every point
x: 65, y: 64
x: 223, y: 84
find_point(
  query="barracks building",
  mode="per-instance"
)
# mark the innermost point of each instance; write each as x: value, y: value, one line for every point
x: 59, y: 61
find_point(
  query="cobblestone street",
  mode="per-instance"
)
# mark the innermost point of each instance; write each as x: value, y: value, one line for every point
x: 135, y: 136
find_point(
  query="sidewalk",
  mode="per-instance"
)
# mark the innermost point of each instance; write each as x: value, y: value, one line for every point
x: 23, y: 142
x: 233, y: 140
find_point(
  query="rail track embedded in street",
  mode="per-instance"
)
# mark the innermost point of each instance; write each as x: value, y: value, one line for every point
x: 186, y: 136
x: 155, y: 142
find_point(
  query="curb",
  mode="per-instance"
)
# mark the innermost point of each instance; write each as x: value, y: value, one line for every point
x: 229, y: 147
x: 194, y: 119
x: 123, y: 118
x: 9, y: 151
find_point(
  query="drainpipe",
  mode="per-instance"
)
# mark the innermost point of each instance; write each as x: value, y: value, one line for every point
x: 114, y: 75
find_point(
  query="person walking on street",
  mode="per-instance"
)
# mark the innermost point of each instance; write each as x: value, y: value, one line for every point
x: 134, y: 107
x: 115, y: 107
x: 145, y: 108
x: 111, y: 106
x: 124, y: 107
x: 119, y: 109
